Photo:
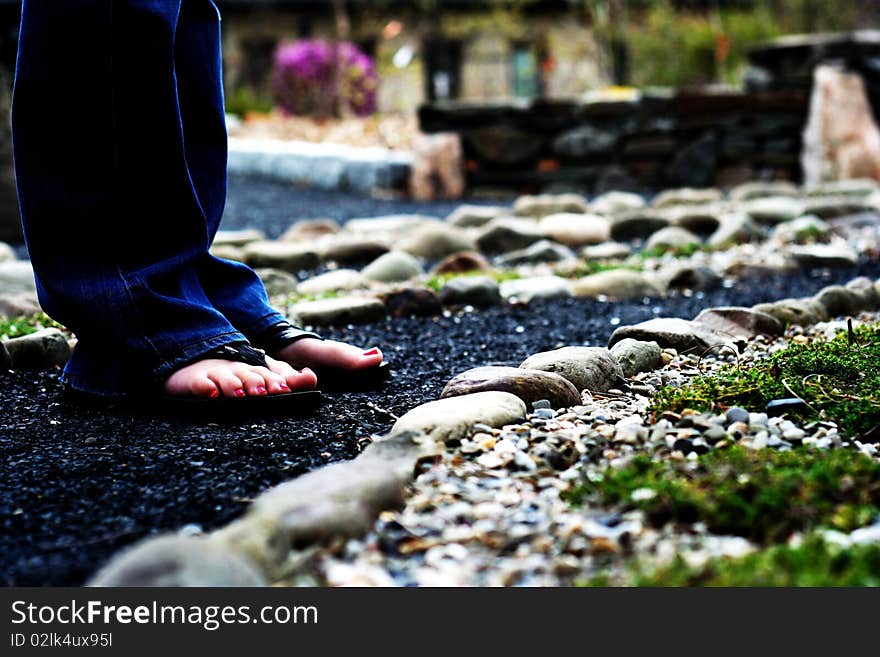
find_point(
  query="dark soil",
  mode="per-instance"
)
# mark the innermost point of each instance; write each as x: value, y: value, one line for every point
x: 78, y: 485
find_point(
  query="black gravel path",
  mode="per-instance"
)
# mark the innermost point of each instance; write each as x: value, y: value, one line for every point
x: 77, y: 485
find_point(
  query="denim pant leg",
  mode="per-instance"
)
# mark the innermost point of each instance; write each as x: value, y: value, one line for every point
x: 112, y: 221
x: 232, y: 287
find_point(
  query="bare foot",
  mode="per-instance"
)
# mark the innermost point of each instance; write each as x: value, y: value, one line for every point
x: 311, y: 352
x: 216, y: 377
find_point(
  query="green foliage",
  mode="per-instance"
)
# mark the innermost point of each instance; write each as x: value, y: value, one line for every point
x: 438, y: 281
x: 244, y: 100
x: 16, y: 327
x: 679, y: 252
x: 762, y: 495
x: 813, y: 563
x: 589, y: 267
x: 839, y: 380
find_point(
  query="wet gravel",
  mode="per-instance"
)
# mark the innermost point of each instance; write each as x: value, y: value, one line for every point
x: 77, y: 484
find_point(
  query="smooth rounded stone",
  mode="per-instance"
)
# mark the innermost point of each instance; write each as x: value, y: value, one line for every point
x: 835, y: 207
x: 334, y: 281
x: 178, y: 561
x: 637, y: 225
x: 575, y: 230
x: 474, y: 216
x: 541, y: 251
x: 276, y: 281
x: 5, y: 359
x: 838, y: 300
x: 737, y: 414
x: 393, y: 267
x: 529, y: 385
x: 452, y: 419
x: 773, y: 209
x: 413, y: 302
x: 508, y: 234
x: 700, y: 220
x: 858, y: 187
x: 434, y: 242
x: 343, y: 310
x: 824, y: 255
x: 310, y: 229
x: 478, y: 291
x: 234, y: 253
x: 394, y: 225
x: 617, y: 284
x: 281, y: 255
x: 614, y: 203
x: 591, y: 368
x: 866, y: 291
x: 672, y: 237
x: 686, y: 196
x: 238, y: 237
x: 671, y: 332
x: 526, y: 290
x: 347, y: 249
x: 734, y: 228
x: 740, y: 321
x: 462, y: 262
x: 17, y: 276
x: 546, y: 204
x: 752, y: 190
x: 40, y: 350
x: 18, y: 305
x: 801, y: 230
x: 606, y: 251
x: 692, y: 278
x: 637, y: 356
x: 791, y: 311
x: 7, y: 253
x: 778, y: 407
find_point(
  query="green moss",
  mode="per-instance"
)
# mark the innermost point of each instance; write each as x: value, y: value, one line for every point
x: 838, y: 379
x: 813, y: 563
x: 297, y: 298
x: 438, y: 281
x: 17, y: 326
x: 761, y: 495
x: 594, y: 267
x: 678, y: 251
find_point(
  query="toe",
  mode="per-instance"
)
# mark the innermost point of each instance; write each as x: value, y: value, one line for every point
x: 203, y: 387
x: 253, y: 379
x: 283, y: 376
x: 230, y: 385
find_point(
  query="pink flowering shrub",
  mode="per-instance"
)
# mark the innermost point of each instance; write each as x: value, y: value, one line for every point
x: 305, y: 79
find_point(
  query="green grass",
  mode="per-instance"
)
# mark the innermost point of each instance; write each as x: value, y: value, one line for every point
x: 678, y: 252
x: 438, y: 281
x: 838, y: 379
x: 763, y: 495
x: 18, y: 326
x: 813, y: 563
x: 593, y: 267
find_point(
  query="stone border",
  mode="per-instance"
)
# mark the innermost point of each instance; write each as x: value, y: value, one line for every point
x: 325, y: 166
x: 276, y: 539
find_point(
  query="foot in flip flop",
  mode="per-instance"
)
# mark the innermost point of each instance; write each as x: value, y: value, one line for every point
x: 224, y: 378
x: 318, y: 354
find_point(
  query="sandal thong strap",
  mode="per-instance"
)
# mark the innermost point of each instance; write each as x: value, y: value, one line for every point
x: 240, y: 352
x: 278, y: 336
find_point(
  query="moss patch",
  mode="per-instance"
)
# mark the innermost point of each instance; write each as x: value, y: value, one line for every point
x: 838, y: 379
x: 19, y: 326
x: 677, y: 251
x: 437, y: 282
x: 762, y: 495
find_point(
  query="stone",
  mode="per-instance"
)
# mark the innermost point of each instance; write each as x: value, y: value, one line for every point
x: 178, y: 561
x: 43, y: 349
x: 462, y: 262
x: 759, y: 189
x: 525, y: 290
x: 309, y: 230
x: 838, y: 301
x: 389, y: 227
x: 585, y: 141
x: 343, y: 310
x: 393, y: 267
x: 692, y: 277
x: 736, y: 414
x: 591, y: 368
x: 474, y: 216
x: 773, y: 209
x: 686, y: 196
x: 637, y: 225
x: 824, y: 255
x: 868, y: 294
x: 345, y: 249
x: 672, y: 237
x: 5, y: 360
x: 477, y: 291
x: 672, y: 332
x: 338, y: 280
x: 238, y: 237
x: 804, y: 229
x: 7, y: 253
x: 740, y: 321
x: 276, y: 281
x: 541, y: 251
x: 234, y: 253
x: 637, y: 356
x: 281, y: 255
x: 413, y: 302
x: 778, y: 407
x: 17, y: 276
x: 543, y: 205
x: 18, y: 305
x: 529, y: 385
x: 615, y: 202
x: 575, y: 230
x: 698, y: 219
x: 507, y: 234
x: 606, y: 251
x: 452, y: 419
x: 856, y: 187
x: 434, y: 242
x: 734, y: 228
x: 617, y: 284
x: 834, y: 207
x: 791, y: 311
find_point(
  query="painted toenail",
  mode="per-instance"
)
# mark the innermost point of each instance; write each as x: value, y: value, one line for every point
x: 239, y: 393
x: 214, y: 393
x: 261, y: 390
x: 372, y: 352
x: 284, y: 385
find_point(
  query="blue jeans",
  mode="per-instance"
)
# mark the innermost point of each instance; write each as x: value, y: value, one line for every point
x: 119, y: 139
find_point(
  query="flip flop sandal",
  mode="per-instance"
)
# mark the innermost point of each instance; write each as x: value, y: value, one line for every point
x: 336, y: 379
x: 287, y: 403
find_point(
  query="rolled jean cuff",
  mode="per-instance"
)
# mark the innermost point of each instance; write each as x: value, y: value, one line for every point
x: 260, y: 326
x: 192, y: 351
